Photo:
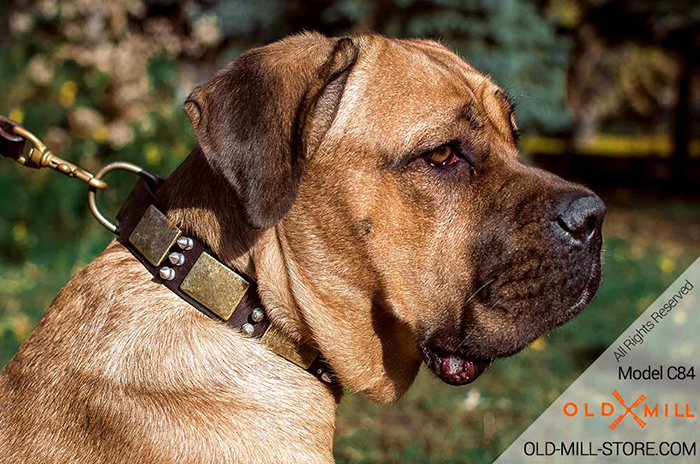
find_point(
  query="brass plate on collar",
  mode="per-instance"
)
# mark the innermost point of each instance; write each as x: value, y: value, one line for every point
x: 215, y: 286
x: 153, y: 236
x: 291, y: 350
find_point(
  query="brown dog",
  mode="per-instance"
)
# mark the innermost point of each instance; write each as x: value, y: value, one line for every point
x: 373, y: 188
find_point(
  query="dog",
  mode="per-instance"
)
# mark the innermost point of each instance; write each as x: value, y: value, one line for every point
x: 373, y: 189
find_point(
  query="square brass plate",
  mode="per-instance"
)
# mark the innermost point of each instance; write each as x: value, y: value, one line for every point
x: 277, y: 341
x: 215, y: 286
x: 153, y: 236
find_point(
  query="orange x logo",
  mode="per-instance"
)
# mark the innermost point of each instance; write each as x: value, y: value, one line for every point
x: 628, y: 410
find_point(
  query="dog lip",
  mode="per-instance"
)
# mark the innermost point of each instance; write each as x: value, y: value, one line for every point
x: 454, y: 368
x: 589, y: 289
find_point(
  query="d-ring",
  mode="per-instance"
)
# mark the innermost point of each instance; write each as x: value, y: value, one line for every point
x: 92, y: 191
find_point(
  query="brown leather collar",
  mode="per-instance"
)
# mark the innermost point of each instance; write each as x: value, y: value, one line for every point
x: 191, y: 270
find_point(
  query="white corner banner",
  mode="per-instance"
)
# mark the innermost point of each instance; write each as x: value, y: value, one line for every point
x: 639, y: 402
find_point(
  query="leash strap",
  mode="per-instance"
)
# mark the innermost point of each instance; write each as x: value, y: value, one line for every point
x: 188, y: 268
x: 11, y: 144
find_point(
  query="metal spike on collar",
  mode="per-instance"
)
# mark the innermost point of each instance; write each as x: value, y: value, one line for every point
x: 247, y: 329
x: 185, y: 243
x: 167, y: 273
x: 257, y: 315
x: 176, y: 259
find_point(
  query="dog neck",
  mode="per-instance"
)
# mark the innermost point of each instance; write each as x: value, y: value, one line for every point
x: 200, y: 202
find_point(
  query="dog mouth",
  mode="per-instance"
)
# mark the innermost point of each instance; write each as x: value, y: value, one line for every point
x: 589, y: 289
x: 462, y: 366
x: 454, y: 368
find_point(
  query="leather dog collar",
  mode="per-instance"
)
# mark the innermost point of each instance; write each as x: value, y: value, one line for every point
x: 192, y: 271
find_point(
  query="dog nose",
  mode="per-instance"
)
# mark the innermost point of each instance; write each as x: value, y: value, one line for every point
x: 580, y: 216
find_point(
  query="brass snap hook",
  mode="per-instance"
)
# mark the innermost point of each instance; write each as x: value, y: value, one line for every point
x: 92, y: 190
x: 40, y: 156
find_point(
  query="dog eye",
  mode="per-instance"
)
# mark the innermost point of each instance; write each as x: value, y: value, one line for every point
x: 441, y: 157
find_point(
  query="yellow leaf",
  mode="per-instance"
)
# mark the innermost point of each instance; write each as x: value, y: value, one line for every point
x: 19, y: 233
x: 152, y: 153
x: 539, y: 344
x: 667, y: 265
x: 101, y: 133
x: 17, y: 115
x: 67, y: 94
x: 21, y: 325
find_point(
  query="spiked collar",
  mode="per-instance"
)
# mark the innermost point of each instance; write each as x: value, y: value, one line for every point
x: 188, y: 268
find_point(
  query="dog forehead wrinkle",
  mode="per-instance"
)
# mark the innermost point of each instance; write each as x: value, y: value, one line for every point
x: 497, y: 112
x: 438, y: 52
x: 469, y: 112
x: 349, y: 107
x: 408, y: 119
x: 433, y: 62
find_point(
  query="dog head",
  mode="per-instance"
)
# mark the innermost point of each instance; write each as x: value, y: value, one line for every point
x: 408, y: 229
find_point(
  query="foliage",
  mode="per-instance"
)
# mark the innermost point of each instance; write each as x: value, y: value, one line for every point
x: 512, y: 41
x: 627, y: 64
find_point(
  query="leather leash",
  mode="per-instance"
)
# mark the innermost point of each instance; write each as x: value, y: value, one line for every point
x: 11, y: 144
x: 183, y: 264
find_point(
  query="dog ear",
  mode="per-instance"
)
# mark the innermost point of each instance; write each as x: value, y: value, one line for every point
x: 259, y: 118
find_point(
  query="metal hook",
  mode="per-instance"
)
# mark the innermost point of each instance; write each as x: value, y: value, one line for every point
x: 92, y: 190
x: 40, y: 156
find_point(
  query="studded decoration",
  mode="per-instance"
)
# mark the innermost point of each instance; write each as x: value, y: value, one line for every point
x: 257, y: 315
x: 167, y: 273
x: 185, y: 243
x: 176, y: 259
x: 247, y: 329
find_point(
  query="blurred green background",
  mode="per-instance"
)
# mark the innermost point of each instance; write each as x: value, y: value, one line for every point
x: 607, y: 94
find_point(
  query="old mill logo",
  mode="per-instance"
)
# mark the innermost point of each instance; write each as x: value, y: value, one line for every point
x: 628, y: 410
x: 639, y: 410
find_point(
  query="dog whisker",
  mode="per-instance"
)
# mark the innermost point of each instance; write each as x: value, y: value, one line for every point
x: 465, y: 303
x: 466, y: 337
x: 478, y: 290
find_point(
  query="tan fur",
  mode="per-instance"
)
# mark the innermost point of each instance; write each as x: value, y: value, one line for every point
x: 367, y: 263
x: 122, y: 370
